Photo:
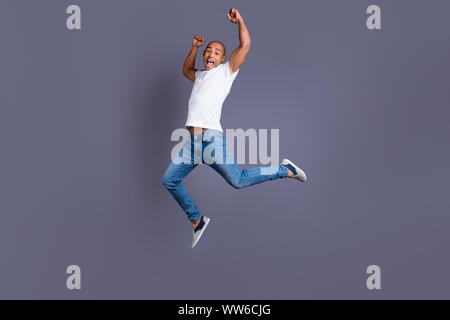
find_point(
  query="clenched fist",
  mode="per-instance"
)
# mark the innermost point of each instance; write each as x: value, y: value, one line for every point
x: 233, y: 15
x: 198, y: 40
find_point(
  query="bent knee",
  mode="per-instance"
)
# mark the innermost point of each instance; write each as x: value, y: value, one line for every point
x: 236, y: 184
x: 168, y: 182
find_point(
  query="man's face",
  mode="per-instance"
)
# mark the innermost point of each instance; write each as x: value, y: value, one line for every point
x: 214, y: 55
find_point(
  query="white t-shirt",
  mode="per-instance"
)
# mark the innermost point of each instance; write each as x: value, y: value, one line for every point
x: 207, y: 96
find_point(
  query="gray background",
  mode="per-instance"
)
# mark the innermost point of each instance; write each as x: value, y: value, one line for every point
x: 85, y: 124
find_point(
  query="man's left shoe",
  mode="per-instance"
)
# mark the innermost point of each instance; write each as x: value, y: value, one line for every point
x: 198, y: 231
x: 298, y: 173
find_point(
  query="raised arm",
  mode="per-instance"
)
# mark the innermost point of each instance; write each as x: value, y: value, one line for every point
x: 189, y: 63
x: 237, y: 58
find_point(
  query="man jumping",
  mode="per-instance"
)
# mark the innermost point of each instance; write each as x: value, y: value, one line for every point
x: 211, y: 86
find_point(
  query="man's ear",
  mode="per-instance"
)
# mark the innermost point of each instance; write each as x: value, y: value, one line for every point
x: 223, y: 58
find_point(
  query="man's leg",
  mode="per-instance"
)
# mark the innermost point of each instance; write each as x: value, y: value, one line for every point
x: 241, y: 178
x: 172, y: 180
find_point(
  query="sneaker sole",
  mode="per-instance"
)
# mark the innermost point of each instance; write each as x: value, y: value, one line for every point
x: 201, y: 232
x: 300, y: 174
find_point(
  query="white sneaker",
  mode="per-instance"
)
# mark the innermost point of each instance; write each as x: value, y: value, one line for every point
x: 200, y: 229
x: 298, y: 174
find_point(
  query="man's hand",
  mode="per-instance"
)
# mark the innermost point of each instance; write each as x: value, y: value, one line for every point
x: 233, y: 15
x: 198, y: 40
x: 189, y: 63
x: 238, y: 56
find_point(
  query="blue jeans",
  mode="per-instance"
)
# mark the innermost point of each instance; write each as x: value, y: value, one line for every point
x: 207, y: 148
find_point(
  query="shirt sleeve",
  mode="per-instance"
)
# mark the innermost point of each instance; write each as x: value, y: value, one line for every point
x: 228, y: 73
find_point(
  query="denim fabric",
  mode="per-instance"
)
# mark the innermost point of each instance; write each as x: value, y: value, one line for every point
x: 209, y: 148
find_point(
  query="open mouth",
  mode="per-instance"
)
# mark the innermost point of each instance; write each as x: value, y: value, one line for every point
x: 209, y: 63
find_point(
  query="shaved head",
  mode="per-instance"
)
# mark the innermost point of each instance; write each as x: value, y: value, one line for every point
x: 214, y: 55
x: 223, y: 49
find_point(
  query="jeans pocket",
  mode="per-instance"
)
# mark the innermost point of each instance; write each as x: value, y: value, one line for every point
x: 211, y: 135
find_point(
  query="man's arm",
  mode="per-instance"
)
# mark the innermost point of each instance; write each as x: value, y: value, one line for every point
x: 238, y: 56
x: 189, y: 63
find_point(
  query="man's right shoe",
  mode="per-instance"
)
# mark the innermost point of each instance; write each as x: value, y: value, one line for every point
x: 198, y: 231
x: 298, y: 173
